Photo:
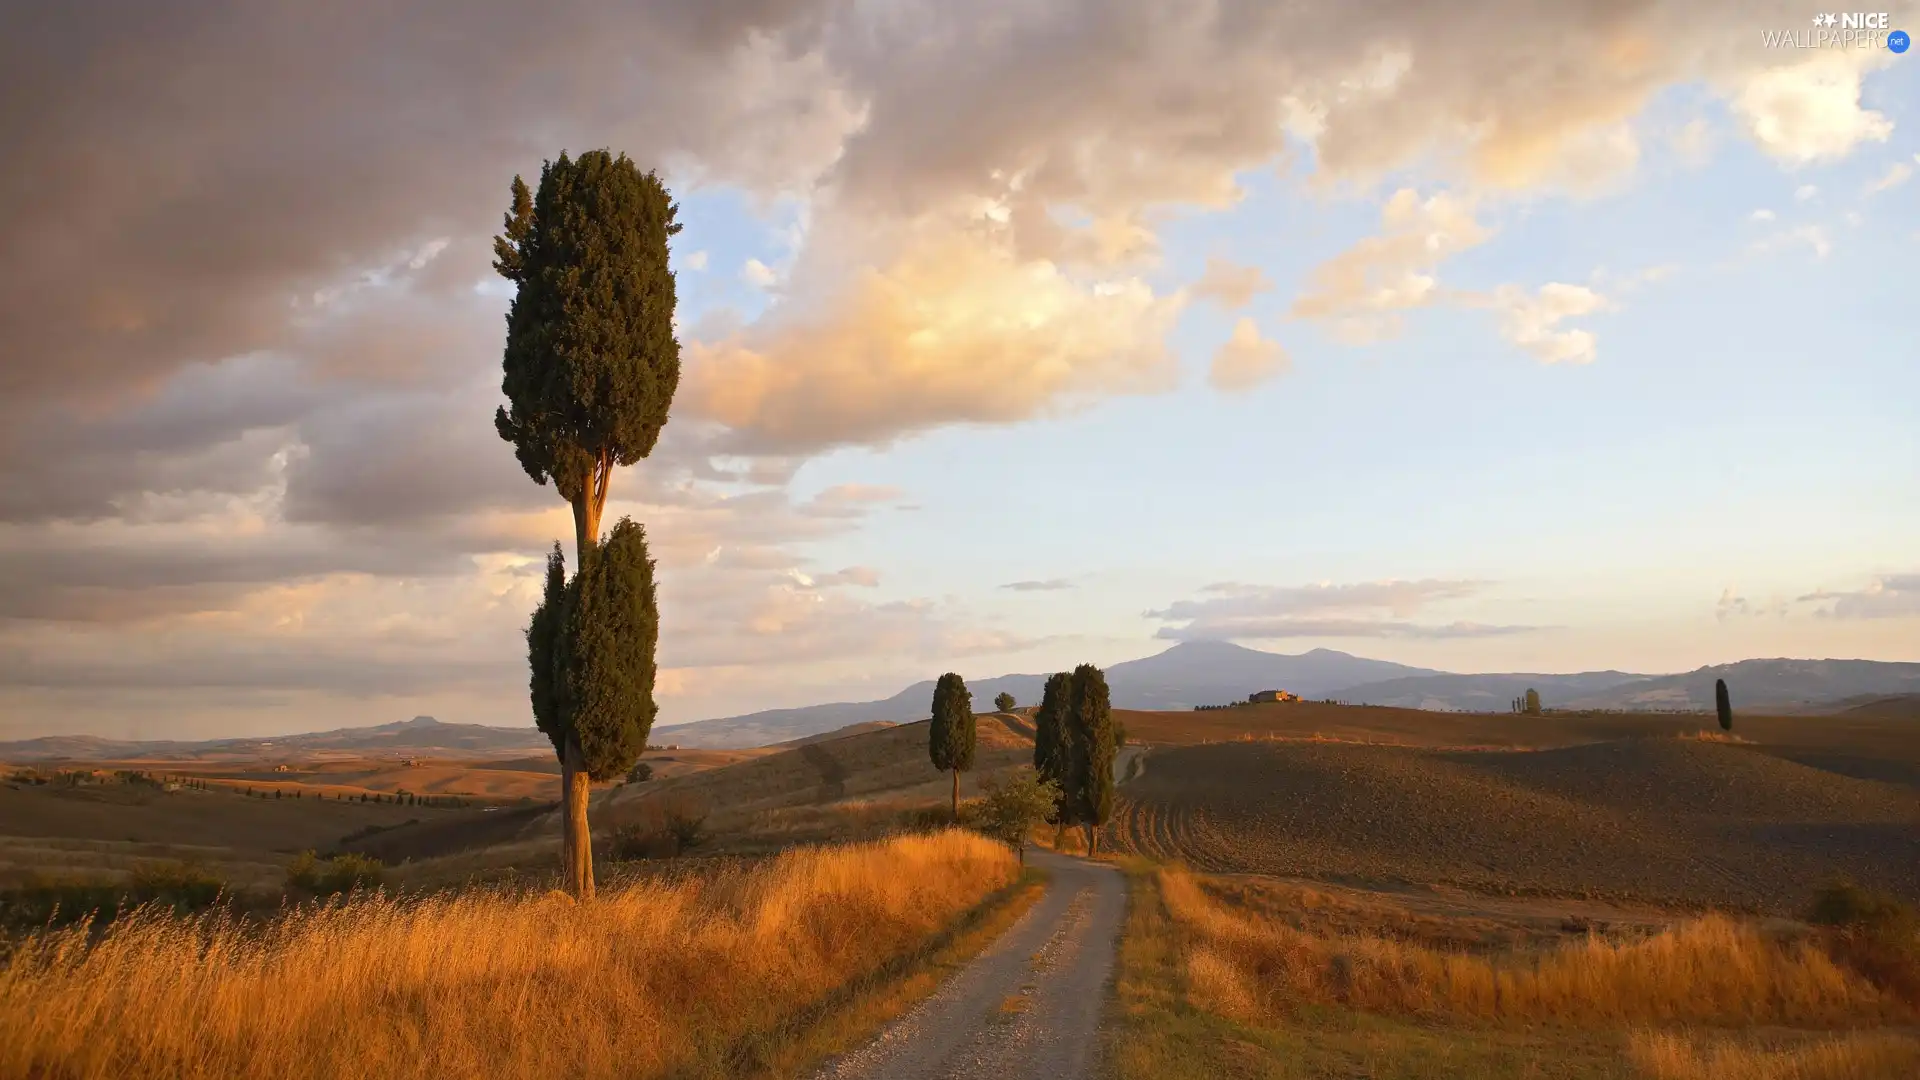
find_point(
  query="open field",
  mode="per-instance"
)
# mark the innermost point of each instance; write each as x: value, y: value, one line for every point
x: 1665, y: 821
x: 1257, y: 978
x: 695, y: 974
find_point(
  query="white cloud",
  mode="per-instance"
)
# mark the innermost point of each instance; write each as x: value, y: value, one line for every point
x: 695, y: 261
x: 1233, y: 610
x: 1897, y: 173
x: 1812, y: 237
x: 1762, y: 214
x: 1230, y: 284
x: 758, y: 274
x: 1805, y: 193
x: 1362, y: 290
x: 1532, y: 321
x: 1246, y: 359
x: 1692, y: 143
x: 1890, y: 596
x: 1811, y: 111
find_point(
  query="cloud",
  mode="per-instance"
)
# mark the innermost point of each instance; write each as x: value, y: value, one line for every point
x: 1232, y: 610
x: 1362, y: 290
x: 1049, y: 585
x: 1692, y: 143
x: 1812, y: 237
x: 1246, y: 360
x: 1230, y: 284
x: 1762, y: 214
x: 758, y: 274
x: 1810, y: 111
x: 1276, y: 628
x: 1890, y: 596
x: 1731, y: 605
x: 1532, y: 321
x: 1897, y: 173
x: 696, y: 261
x: 958, y: 330
x: 1805, y: 193
x: 850, y: 500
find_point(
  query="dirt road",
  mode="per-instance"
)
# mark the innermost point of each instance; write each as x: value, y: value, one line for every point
x: 1027, y: 1007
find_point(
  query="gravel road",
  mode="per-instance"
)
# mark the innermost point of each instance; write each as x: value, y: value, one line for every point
x: 1027, y: 1007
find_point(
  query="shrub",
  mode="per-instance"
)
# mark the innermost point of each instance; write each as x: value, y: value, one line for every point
x: 340, y: 874
x: 1874, y: 934
x: 1004, y: 701
x: 665, y: 827
x: 640, y: 773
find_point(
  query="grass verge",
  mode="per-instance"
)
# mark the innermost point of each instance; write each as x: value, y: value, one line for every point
x: 1172, y: 1019
x: 663, y: 977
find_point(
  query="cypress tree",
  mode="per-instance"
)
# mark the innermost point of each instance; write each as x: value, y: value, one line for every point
x: 603, y: 658
x: 1723, y: 704
x: 1533, y: 702
x: 950, y: 736
x: 589, y: 372
x: 1090, y: 752
x: 1050, y: 736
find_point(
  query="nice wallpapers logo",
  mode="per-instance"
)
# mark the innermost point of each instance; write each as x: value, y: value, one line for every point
x: 1845, y: 30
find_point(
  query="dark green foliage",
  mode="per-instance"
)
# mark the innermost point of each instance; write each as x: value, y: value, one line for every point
x: 1531, y: 703
x: 950, y: 738
x: 603, y: 654
x: 542, y: 632
x: 1004, y: 701
x: 1723, y: 704
x: 1088, y: 790
x: 340, y: 874
x: 640, y: 773
x: 1050, y: 731
x: 182, y: 886
x: 664, y: 827
x: 1873, y: 933
x: 591, y: 363
x: 1015, y: 805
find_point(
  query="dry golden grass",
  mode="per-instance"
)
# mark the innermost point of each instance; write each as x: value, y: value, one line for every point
x: 661, y: 976
x: 1855, y: 1056
x: 1709, y: 735
x: 1711, y: 970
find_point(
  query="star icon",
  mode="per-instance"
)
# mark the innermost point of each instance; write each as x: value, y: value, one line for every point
x: 1831, y: 20
x: 1818, y: 20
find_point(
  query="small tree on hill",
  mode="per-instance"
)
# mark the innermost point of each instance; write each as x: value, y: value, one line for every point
x: 640, y: 773
x: 1004, y: 701
x: 1532, y: 702
x: 1088, y: 791
x: 1015, y: 805
x: 1723, y: 704
x: 1050, y: 737
x: 950, y: 736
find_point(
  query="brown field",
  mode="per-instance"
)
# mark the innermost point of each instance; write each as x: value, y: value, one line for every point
x: 1251, y: 977
x: 688, y: 975
x: 851, y: 786
x: 1665, y: 821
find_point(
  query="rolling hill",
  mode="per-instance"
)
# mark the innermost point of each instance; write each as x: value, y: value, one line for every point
x: 422, y: 736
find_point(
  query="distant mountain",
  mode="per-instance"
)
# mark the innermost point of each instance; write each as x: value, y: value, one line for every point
x: 1484, y: 693
x: 422, y: 736
x: 1189, y: 674
x: 1758, y: 684
x: 1214, y: 673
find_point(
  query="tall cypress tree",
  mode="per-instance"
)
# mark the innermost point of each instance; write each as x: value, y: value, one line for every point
x: 1050, y: 736
x: 1723, y: 704
x: 950, y: 736
x: 1090, y: 742
x: 589, y: 372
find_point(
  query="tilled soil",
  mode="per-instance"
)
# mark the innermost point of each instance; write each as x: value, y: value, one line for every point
x: 1663, y: 821
x: 1028, y: 1008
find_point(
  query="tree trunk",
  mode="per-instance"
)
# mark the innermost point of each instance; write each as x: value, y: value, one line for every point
x: 587, y: 508
x: 956, y: 796
x: 576, y: 784
x: 1093, y: 839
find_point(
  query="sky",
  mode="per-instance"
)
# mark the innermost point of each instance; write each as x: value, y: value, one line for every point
x: 1487, y: 336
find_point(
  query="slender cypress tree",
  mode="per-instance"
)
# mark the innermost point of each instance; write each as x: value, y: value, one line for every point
x: 950, y: 736
x: 1532, y: 702
x: 589, y: 372
x: 1090, y: 752
x: 1050, y: 736
x: 603, y: 673
x: 1723, y: 704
